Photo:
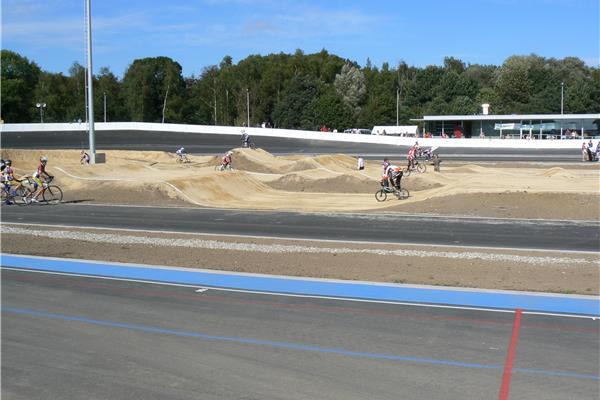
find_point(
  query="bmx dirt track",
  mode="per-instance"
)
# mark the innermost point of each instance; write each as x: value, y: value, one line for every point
x: 327, y: 184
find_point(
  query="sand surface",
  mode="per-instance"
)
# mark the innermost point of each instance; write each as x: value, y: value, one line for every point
x: 328, y: 183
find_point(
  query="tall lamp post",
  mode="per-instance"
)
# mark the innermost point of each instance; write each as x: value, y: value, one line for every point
x: 165, y: 104
x: 248, y: 106
x: 397, y: 103
x: 562, y: 97
x: 104, y: 106
x: 41, y: 106
x: 92, y: 137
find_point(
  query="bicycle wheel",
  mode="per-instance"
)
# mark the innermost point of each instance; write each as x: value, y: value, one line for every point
x: 20, y: 196
x: 53, y: 194
x: 406, y: 172
x: 252, y: 146
x: 421, y: 168
x: 402, y: 194
x: 218, y: 168
x: 380, y: 195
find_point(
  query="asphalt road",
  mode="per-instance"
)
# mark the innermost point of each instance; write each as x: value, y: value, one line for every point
x: 393, y: 228
x: 218, y: 144
x: 73, y: 337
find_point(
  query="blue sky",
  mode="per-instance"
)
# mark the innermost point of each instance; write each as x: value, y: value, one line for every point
x: 198, y: 33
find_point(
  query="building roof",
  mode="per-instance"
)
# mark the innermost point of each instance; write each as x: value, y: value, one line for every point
x: 506, y: 117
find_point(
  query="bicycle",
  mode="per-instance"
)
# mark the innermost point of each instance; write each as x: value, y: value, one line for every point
x: 222, y: 167
x: 420, y: 168
x: 183, y: 159
x: 401, y: 194
x: 250, y: 145
x: 51, y: 194
x: 12, y: 195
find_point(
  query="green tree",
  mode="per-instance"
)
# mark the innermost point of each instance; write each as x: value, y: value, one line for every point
x: 145, y: 86
x: 351, y: 87
x: 328, y: 110
x: 299, y: 94
x: 19, y: 77
x: 107, y: 83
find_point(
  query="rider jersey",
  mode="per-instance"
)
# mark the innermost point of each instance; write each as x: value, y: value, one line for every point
x: 41, y: 169
x: 8, y: 173
x: 392, y: 170
x: 180, y: 151
x: 226, y: 159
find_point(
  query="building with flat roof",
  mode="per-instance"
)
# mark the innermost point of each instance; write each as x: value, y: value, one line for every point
x: 532, y: 126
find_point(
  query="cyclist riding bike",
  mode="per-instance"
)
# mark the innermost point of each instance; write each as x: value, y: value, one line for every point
x: 393, y: 175
x: 245, y: 139
x: 181, y: 154
x: 38, y: 184
x: 412, y: 154
x: 8, y: 177
x: 226, y: 160
x: 8, y: 174
x: 85, y: 158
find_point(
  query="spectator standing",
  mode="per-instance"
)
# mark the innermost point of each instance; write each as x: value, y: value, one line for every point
x: 360, y: 163
x: 584, y: 152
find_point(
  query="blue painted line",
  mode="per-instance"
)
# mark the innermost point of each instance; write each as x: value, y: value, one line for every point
x: 287, y: 345
x: 564, y: 304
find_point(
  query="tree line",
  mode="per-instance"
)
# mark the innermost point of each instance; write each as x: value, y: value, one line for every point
x: 298, y: 90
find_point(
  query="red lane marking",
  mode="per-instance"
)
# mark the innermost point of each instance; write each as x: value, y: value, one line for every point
x: 510, y: 357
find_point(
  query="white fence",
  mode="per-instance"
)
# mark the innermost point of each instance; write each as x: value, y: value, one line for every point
x: 295, y: 134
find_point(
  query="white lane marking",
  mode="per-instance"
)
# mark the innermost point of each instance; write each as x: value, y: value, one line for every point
x: 306, y: 296
x: 289, y: 238
x: 201, y: 290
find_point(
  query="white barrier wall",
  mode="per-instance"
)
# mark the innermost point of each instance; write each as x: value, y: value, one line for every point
x: 296, y: 134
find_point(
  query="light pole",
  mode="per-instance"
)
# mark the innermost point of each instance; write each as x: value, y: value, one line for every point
x: 397, y: 103
x: 90, y: 101
x: 562, y: 96
x: 248, y: 106
x: 165, y: 104
x: 41, y: 106
x: 104, y: 106
x: 227, y: 107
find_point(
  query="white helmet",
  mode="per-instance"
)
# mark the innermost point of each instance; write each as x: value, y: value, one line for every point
x: 44, y: 159
x: 229, y: 153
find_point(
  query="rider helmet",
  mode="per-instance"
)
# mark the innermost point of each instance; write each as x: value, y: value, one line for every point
x: 43, y: 159
x: 8, y: 163
x: 229, y: 153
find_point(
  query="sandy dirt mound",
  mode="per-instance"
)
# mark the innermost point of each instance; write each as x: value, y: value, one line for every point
x: 342, y: 184
x: 324, y: 183
x: 468, y: 169
x: 258, y: 161
x: 557, y: 172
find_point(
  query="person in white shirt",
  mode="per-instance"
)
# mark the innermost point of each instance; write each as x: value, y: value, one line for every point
x: 360, y: 163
